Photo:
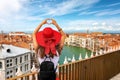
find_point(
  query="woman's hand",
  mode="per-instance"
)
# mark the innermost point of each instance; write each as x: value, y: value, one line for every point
x: 44, y: 22
x: 54, y: 22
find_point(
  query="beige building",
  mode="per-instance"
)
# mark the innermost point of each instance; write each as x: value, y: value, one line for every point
x: 83, y: 40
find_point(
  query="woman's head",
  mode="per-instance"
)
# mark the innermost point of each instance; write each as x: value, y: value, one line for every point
x: 48, y: 38
x: 48, y: 32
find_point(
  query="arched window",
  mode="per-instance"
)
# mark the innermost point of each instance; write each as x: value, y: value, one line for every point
x: 0, y: 65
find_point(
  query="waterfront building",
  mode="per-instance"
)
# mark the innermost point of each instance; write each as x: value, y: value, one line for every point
x: 94, y: 41
x: 16, y: 34
x: 67, y: 40
x: 12, y: 57
x: 72, y: 40
x: 75, y: 40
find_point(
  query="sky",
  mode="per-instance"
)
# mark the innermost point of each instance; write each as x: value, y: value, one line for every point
x: 71, y: 15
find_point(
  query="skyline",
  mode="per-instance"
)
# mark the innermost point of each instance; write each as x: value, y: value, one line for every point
x: 71, y: 15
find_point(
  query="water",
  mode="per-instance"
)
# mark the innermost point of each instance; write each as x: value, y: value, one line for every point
x: 69, y: 51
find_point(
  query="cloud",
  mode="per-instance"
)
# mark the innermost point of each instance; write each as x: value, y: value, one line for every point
x: 118, y: 24
x: 110, y: 12
x: 18, y: 14
x: 7, y: 6
x: 95, y: 23
x: 114, y: 4
x: 103, y: 23
x: 88, y: 13
x: 21, y: 12
x: 28, y: 18
x: 10, y: 9
x: 17, y: 10
x: 69, y: 6
x: 106, y: 28
x: 15, y: 15
x: 77, y: 25
x: 92, y: 25
x: 104, y: 12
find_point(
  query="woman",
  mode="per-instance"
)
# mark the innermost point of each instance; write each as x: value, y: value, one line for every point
x: 48, y: 42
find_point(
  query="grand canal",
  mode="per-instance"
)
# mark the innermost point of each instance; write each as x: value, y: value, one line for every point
x: 70, y: 51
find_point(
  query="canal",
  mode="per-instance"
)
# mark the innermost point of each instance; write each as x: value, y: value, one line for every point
x: 70, y: 51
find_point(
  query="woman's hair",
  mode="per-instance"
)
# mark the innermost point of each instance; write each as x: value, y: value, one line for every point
x: 41, y: 51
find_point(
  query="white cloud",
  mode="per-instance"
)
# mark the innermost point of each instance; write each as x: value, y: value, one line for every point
x: 69, y: 6
x: 14, y: 15
x: 92, y: 25
x: 89, y: 13
x: 106, y: 28
x: 118, y: 24
x: 114, y: 4
x: 31, y: 10
x: 103, y: 23
x: 95, y: 23
x: 17, y: 14
x: 10, y: 9
x: 101, y: 12
x: 77, y: 25
x: 27, y: 18
x: 7, y: 8
x: 110, y: 12
x: 8, y: 5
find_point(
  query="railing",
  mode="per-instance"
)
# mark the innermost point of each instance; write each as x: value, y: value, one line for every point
x: 30, y: 76
x: 100, y: 67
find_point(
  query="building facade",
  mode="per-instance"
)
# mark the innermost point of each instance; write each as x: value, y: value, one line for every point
x: 84, y: 41
x: 12, y: 57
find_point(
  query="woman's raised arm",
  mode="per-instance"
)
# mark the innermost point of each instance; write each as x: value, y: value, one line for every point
x: 62, y: 33
x: 35, y: 44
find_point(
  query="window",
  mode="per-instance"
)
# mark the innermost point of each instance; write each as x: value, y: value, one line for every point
x: 10, y: 76
x: 7, y: 61
x: 25, y: 57
x: 16, y: 61
x: 16, y: 69
x: 10, y: 60
x: 7, y: 72
x: 7, y: 77
x: 0, y: 65
x: 27, y: 66
x: 10, y: 64
x: 20, y: 59
x: 11, y: 71
x: 21, y: 68
x: 7, y: 65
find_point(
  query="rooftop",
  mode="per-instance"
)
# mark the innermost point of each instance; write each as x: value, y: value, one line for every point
x: 11, y: 51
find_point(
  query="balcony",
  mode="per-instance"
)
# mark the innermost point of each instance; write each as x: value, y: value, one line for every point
x: 100, y: 67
